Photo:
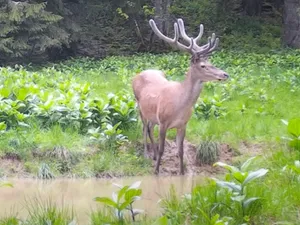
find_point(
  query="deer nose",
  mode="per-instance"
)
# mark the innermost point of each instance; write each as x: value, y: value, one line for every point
x: 226, y: 75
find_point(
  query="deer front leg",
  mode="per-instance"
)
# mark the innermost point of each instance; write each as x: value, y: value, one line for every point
x: 150, y: 133
x: 162, y: 137
x: 179, y: 140
x: 145, y: 135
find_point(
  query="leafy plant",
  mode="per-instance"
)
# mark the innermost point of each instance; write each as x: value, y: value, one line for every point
x: 293, y: 169
x: 5, y: 184
x: 207, y: 152
x: 45, y: 172
x: 293, y: 128
x: 123, y: 200
x: 237, y: 181
x: 210, y: 107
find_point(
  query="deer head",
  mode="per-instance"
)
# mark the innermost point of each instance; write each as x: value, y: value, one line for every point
x: 200, y: 69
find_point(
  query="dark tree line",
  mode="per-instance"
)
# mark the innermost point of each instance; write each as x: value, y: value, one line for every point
x: 39, y: 30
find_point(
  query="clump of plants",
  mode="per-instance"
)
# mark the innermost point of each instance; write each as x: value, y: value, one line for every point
x: 218, y: 202
x: 45, y: 172
x: 293, y: 129
x: 207, y: 152
x: 122, y: 202
x: 51, y: 98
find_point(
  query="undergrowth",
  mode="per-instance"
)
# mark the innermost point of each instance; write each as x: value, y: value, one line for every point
x: 81, y: 112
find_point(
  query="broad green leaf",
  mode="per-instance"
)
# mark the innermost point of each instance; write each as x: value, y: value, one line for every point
x: 135, y: 185
x: 254, y: 175
x: 294, y: 127
x: 226, y: 166
x: 246, y: 164
x: 132, y: 193
x: 295, y: 143
x: 215, y: 218
x: 239, y: 176
x: 117, y: 185
x: 22, y: 124
x: 162, y: 221
x: 122, y: 192
x: 3, y: 126
x: 73, y: 223
x: 5, y: 92
x: 106, y: 201
x: 238, y: 198
x: 249, y: 201
x: 115, y: 197
x: 137, y: 211
x: 22, y: 93
x: 6, y: 185
x: 229, y: 185
x: 125, y: 204
x: 284, y: 122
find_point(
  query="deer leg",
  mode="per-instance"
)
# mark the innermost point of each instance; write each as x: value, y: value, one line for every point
x: 150, y: 133
x: 162, y: 137
x: 145, y: 133
x: 179, y: 139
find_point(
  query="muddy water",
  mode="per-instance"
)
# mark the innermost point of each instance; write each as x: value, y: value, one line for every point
x: 79, y: 193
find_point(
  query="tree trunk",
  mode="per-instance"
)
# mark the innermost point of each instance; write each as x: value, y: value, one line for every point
x: 252, y: 7
x: 162, y: 15
x: 291, y: 20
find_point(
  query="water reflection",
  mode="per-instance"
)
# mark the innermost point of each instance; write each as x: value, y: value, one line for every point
x: 79, y: 193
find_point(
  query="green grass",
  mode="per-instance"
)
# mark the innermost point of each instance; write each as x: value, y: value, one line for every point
x: 248, y: 108
x: 263, y: 89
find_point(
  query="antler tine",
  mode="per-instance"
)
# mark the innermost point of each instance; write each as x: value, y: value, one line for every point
x: 196, y: 48
x: 210, y: 46
x: 216, y: 43
x: 182, y: 31
x: 173, y: 42
x: 200, y: 34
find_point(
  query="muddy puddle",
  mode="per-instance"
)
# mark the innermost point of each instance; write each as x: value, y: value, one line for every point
x: 79, y: 193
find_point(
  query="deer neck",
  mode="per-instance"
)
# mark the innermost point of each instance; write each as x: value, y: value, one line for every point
x: 192, y: 87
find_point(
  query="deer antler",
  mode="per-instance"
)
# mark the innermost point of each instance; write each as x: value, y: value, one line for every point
x: 173, y: 42
x: 193, y: 47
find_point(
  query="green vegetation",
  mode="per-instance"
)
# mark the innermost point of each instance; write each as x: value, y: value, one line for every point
x: 82, y: 113
x: 79, y: 118
x: 123, y: 200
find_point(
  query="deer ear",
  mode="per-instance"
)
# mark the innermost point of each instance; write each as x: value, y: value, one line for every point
x: 195, y: 58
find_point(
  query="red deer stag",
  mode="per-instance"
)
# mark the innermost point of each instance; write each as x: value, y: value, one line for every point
x: 169, y: 104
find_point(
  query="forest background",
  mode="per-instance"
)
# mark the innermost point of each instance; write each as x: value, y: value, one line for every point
x: 39, y: 31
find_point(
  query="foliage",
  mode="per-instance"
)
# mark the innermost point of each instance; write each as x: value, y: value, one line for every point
x: 28, y: 28
x: 207, y: 152
x: 239, y: 195
x: 293, y: 128
x: 46, y: 212
x: 50, y: 99
x: 210, y: 107
x: 45, y: 172
x: 5, y: 184
x: 123, y: 200
x: 217, y: 202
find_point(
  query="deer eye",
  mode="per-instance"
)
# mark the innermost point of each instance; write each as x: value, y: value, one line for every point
x: 202, y: 66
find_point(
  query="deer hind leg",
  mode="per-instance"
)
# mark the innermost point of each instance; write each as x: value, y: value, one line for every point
x: 162, y: 137
x: 179, y: 139
x: 150, y: 133
x: 145, y: 133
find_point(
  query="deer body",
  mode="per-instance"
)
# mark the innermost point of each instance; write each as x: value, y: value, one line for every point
x: 169, y: 104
